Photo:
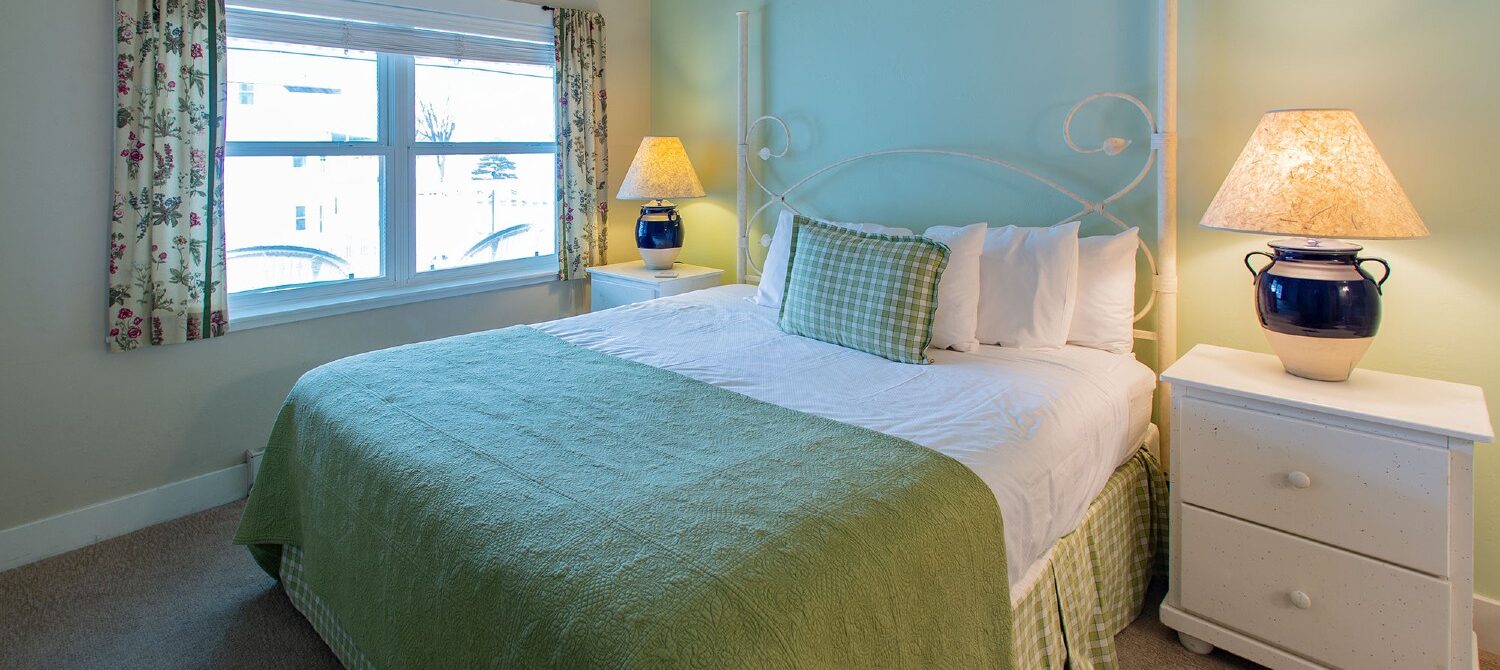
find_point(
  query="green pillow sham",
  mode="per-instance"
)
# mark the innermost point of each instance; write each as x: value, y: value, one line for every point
x: 865, y: 291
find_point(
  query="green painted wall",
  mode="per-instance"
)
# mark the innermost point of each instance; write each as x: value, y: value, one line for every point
x: 81, y: 425
x: 998, y: 77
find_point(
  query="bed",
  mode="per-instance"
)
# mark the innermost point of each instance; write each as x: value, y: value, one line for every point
x: 679, y: 483
x: 380, y: 508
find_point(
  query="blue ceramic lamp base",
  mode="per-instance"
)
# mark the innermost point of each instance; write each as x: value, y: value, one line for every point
x: 1318, y: 308
x: 658, y: 235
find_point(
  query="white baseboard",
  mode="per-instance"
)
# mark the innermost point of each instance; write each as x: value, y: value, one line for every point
x: 1487, y: 622
x: 101, y: 521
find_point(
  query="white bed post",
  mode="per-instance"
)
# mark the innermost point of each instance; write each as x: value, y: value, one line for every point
x: 1165, y: 284
x: 742, y: 205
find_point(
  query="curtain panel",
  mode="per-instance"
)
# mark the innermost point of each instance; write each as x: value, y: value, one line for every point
x: 166, y: 247
x: 582, y: 141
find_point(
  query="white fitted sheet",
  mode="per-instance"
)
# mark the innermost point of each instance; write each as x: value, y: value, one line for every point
x: 1043, y: 429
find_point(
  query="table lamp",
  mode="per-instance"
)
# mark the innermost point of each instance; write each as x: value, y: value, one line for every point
x: 1315, y: 175
x: 660, y: 172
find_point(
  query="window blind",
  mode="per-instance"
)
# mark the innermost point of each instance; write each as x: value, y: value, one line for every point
x: 371, y: 36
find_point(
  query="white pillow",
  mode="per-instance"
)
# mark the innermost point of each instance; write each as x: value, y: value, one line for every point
x: 1028, y: 284
x: 957, y: 315
x: 773, y: 271
x: 1104, y: 317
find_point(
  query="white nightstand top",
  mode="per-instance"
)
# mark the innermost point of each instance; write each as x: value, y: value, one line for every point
x: 636, y: 271
x: 1455, y: 410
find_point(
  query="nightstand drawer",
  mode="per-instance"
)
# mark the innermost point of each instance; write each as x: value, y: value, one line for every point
x: 606, y: 292
x: 1370, y: 494
x: 1323, y: 603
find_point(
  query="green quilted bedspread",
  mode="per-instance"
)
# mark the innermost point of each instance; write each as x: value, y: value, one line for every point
x: 506, y: 499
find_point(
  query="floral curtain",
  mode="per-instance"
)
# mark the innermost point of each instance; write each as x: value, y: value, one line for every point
x: 166, y: 247
x: 582, y: 136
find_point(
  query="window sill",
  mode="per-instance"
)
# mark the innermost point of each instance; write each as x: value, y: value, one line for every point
x: 246, y: 317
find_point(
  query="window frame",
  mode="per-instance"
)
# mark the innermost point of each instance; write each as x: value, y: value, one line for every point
x: 400, y: 281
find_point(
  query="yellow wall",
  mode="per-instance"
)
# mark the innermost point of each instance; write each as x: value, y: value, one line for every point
x: 1422, y: 77
x: 997, y: 77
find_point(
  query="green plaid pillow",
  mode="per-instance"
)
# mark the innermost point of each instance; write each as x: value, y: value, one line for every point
x: 874, y: 293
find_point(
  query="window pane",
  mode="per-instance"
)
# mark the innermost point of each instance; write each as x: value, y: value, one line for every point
x: 297, y: 222
x: 295, y: 93
x: 483, y: 208
x: 481, y: 101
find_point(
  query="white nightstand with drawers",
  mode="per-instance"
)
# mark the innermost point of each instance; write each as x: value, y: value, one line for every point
x: 1322, y: 524
x: 626, y: 283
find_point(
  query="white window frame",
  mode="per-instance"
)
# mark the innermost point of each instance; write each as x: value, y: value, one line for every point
x: 400, y: 282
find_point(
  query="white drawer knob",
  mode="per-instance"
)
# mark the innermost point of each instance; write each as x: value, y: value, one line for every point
x: 1298, y: 479
x: 1300, y: 599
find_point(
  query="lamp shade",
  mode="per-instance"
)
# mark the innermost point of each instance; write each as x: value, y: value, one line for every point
x: 661, y: 171
x: 1313, y: 173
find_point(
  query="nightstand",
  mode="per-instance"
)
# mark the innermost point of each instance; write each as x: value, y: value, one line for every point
x: 626, y: 283
x: 1322, y: 524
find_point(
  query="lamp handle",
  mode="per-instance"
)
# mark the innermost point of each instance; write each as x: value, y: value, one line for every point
x: 1381, y: 261
x: 1254, y: 273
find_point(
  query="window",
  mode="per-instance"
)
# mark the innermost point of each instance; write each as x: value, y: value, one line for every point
x: 434, y: 157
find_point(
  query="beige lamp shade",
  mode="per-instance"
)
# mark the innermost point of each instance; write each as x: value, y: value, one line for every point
x: 661, y: 171
x: 1313, y: 173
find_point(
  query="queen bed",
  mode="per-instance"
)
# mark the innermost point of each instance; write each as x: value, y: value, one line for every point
x: 383, y: 464
x: 680, y: 482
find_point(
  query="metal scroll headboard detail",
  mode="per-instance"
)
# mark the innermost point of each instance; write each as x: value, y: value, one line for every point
x: 1163, y: 156
x: 1112, y: 146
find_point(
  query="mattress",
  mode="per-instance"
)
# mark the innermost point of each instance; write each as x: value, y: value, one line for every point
x: 1043, y: 429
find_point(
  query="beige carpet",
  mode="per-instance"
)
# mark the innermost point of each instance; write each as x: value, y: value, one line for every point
x: 178, y: 595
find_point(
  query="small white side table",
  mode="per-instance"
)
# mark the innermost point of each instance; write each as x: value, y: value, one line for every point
x: 1322, y: 524
x: 626, y: 283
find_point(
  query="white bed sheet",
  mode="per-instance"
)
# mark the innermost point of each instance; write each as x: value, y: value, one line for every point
x: 1043, y: 429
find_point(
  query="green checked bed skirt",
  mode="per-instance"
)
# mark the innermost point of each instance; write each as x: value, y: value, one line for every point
x: 1096, y: 577
x: 1092, y: 587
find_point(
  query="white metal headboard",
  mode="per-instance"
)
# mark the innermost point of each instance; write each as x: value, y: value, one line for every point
x: 1163, y: 155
